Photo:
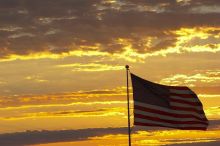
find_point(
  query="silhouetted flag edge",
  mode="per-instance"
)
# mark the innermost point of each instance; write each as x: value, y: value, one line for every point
x: 166, y: 106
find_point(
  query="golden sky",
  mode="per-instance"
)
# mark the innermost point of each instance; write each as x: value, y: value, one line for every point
x: 62, y: 67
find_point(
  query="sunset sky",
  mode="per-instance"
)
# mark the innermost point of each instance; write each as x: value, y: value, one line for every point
x: 62, y: 74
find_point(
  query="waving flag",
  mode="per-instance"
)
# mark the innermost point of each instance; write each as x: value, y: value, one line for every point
x: 166, y: 106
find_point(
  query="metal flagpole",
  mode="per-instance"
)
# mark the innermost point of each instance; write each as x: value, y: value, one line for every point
x: 129, y: 128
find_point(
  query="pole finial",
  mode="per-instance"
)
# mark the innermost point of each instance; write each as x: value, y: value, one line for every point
x: 127, y: 66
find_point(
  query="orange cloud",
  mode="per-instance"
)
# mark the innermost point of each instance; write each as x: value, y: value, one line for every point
x: 91, y: 67
x: 196, y: 39
x: 105, y: 112
x: 208, y: 77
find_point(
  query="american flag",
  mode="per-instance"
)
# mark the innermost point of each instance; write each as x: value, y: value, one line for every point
x: 166, y: 106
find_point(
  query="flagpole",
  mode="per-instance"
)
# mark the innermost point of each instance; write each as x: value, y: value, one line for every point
x: 128, y: 104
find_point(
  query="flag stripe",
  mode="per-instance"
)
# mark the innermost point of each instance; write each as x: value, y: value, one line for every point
x: 183, y: 128
x: 177, y: 91
x: 170, y: 125
x: 193, y: 96
x: 183, y: 116
x: 178, y: 87
x: 168, y: 117
x: 179, y: 104
x: 166, y: 111
x: 197, y: 104
x: 185, y: 99
x: 183, y: 108
x: 154, y: 118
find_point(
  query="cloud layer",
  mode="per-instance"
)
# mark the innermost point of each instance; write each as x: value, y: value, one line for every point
x: 37, y: 137
x: 51, y: 29
x: 201, y: 78
x: 114, y: 136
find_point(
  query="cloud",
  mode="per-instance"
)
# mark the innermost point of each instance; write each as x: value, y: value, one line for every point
x: 101, y: 112
x: 13, y: 36
x: 36, y: 79
x: 105, y: 96
x: 38, y: 137
x: 116, y: 135
x: 10, y: 28
x: 213, y: 112
x: 45, y: 29
x: 91, y: 67
x: 210, y: 143
x: 80, y: 104
x: 198, y: 79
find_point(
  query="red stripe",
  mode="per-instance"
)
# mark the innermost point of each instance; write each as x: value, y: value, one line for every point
x: 184, y: 95
x: 167, y: 113
x: 186, y: 102
x: 184, y: 128
x: 186, y: 109
x: 178, y: 87
x: 167, y: 121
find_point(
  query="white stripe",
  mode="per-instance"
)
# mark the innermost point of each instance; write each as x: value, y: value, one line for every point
x: 181, y: 91
x: 185, y: 99
x: 173, y: 103
x: 168, y: 124
x: 163, y: 109
x: 165, y: 117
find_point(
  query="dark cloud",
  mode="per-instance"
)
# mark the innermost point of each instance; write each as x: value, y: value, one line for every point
x: 82, y: 22
x: 6, y: 4
x: 175, y: 5
x: 39, y: 137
